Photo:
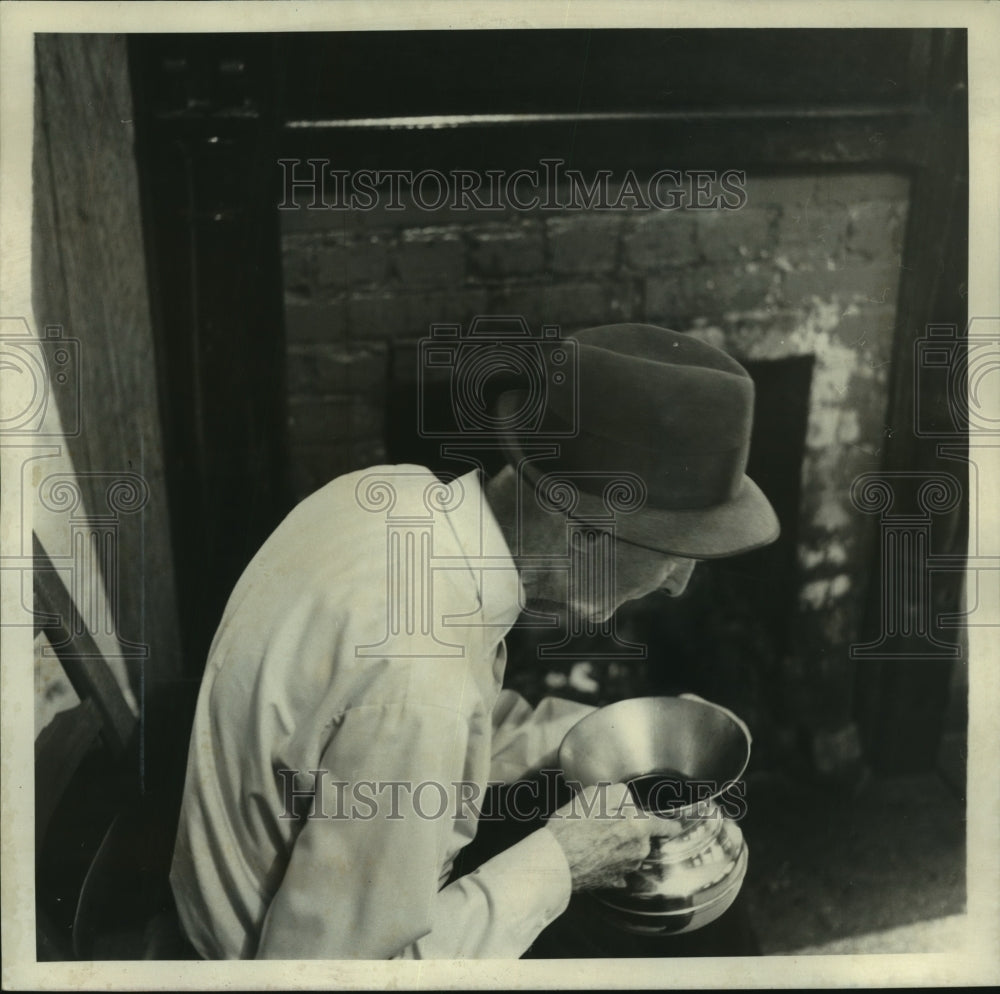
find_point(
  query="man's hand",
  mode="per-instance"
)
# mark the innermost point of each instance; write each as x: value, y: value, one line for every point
x: 605, y: 835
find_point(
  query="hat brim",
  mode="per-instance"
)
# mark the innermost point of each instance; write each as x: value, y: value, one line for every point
x: 742, y: 524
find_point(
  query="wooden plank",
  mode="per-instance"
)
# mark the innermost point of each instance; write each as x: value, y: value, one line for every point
x: 673, y: 98
x: 886, y: 138
x: 89, y: 278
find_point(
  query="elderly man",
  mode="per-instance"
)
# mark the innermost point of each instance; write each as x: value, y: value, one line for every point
x: 351, y: 713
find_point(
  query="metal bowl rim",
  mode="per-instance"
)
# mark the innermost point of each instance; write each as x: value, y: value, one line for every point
x: 663, y: 697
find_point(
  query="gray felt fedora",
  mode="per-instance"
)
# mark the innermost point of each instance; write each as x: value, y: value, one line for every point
x: 666, y: 413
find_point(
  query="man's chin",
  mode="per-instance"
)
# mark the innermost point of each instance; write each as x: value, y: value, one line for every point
x: 579, y: 614
x: 595, y: 617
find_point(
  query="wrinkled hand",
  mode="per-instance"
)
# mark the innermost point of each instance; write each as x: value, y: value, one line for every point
x: 605, y: 835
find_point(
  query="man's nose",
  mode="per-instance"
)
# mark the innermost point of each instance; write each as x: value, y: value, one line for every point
x: 677, y: 579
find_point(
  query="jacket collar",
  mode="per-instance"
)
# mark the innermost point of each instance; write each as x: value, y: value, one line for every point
x: 487, y: 554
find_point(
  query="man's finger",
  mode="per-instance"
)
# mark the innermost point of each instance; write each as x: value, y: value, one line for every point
x: 666, y: 828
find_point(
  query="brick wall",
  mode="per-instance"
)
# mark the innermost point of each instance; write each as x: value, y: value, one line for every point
x: 810, y: 265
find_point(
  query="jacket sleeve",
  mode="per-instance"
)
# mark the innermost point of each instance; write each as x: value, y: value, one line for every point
x: 525, y: 739
x: 362, y: 881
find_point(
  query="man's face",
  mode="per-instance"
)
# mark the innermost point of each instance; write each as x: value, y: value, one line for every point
x: 640, y: 571
x: 637, y: 572
x: 607, y: 573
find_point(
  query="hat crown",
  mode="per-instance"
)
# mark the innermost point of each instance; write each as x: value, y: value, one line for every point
x: 665, y: 383
x: 662, y: 405
x: 646, y: 343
